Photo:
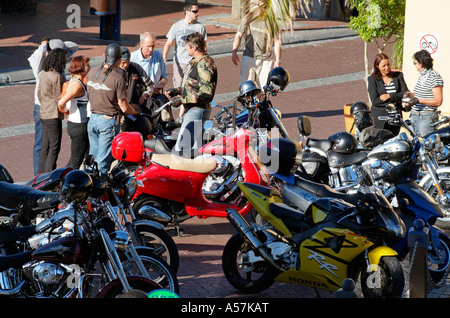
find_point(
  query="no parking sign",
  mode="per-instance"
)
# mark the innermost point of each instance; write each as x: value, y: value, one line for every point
x: 429, y: 42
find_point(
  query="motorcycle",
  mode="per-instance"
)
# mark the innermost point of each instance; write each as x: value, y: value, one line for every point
x: 408, y: 199
x: 175, y: 186
x: 60, y: 260
x: 116, y: 189
x: 319, y: 247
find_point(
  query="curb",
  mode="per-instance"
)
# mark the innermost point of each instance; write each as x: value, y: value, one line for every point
x: 14, y: 76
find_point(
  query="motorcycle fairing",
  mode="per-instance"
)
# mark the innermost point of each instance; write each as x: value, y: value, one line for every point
x: 325, y: 258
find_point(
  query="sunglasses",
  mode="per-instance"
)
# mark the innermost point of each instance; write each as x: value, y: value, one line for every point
x: 195, y: 11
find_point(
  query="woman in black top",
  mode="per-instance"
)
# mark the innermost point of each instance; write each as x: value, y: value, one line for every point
x: 385, y: 87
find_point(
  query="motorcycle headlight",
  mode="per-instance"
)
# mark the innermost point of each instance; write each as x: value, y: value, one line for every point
x: 120, y: 240
x: 131, y: 186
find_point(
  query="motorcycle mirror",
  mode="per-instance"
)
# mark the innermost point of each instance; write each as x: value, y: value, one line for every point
x: 208, y: 125
x: 89, y: 161
x: 304, y: 125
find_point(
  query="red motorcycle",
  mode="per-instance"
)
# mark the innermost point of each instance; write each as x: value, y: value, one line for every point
x: 172, y: 189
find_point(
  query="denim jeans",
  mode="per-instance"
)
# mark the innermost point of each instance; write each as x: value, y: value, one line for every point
x: 423, y: 121
x: 190, y: 136
x: 37, y: 138
x: 102, y: 131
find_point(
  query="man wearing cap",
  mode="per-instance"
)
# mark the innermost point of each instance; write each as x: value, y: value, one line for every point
x: 36, y: 61
x: 108, y: 98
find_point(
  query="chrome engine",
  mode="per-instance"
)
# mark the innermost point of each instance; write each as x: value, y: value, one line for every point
x: 221, y: 185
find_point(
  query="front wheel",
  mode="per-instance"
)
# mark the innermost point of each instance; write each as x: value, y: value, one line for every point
x: 386, y: 282
x: 243, y: 269
x: 438, y: 260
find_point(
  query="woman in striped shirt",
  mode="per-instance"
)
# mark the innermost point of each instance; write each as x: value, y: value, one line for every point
x: 428, y: 94
x: 385, y: 86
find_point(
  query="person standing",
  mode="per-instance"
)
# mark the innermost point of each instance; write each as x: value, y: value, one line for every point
x: 259, y: 56
x: 196, y: 95
x: 49, y: 91
x: 428, y: 94
x: 154, y: 65
x: 36, y: 61
x: 75, y: 103
x: 385, y: 86
x: 177, y: 37
x: 108, y: 98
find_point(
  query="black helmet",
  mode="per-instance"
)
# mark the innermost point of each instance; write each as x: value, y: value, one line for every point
x: 113, y: 52
x: 77, y: 186
x: 358, y: 107
x: 141, y: 124
x: 278, y: 76
x: 343, y: 142
x: 249, y: 89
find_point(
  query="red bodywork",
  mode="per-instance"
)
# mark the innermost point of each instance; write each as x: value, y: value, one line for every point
x: 186, y: 186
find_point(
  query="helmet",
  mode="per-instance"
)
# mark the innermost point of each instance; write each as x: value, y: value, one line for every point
x: 278, y: 76
x: 113, y: 52
x: 125, y: 53
x: 77, y: 186
x: 141, y: 124
x: 248, y: 88
x: 343, y: 142
x: 358, y: 107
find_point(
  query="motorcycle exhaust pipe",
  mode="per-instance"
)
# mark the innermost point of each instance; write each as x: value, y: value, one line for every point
x: 246, y: 231
x: 151, y: 213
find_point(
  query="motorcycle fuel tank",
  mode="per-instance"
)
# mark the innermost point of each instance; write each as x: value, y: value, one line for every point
x: 62, y: 250
x: 397, y: 150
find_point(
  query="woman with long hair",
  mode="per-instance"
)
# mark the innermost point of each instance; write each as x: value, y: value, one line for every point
x: 75, y: 103
x: 49, y: 90
x: 385, y: 86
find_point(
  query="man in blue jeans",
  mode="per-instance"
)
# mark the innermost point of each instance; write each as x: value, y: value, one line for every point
x: 196, y: 95
x: 108, y: 98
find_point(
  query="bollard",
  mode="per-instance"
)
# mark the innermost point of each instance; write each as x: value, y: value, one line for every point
x: 347, y: 290
x: 418, y: 244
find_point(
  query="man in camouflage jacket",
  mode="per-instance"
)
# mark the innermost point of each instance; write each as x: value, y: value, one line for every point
x: 196, y: 95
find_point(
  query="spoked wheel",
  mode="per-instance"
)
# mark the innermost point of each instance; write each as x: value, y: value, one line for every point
x: 157, y: 269
x: 430, y: 188
x: 438, y: 261
x: 161, y: 244
x: 243, y: 269
x: 387, y: 282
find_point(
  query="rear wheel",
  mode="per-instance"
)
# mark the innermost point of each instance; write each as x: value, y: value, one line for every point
x: 141, y: 286
x: 243, y: 273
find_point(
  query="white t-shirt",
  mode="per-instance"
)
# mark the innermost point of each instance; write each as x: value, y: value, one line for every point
x: 79, y: 107
x: 178, y: 32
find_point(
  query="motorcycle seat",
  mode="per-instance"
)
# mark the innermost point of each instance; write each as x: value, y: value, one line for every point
x: 19, y: 197
x: 323, y: 144
x: 157, y: 145
x: 14, y: 261
x: 16, y: 234
x: 283, y: 211
x: 196, y: 165
x: 323, y: 190
x: 338, y: 160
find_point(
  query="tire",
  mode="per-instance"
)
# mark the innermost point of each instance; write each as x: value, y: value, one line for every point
x: 141, y: 286
x: 158, y: 270
x: 438, y: 262
x: 388, y: 281
x: 444, y: 177
x: 161, y: 244
x: 246, y: 278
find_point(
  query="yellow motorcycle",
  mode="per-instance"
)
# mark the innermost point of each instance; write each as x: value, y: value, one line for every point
x: 330, y: 241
